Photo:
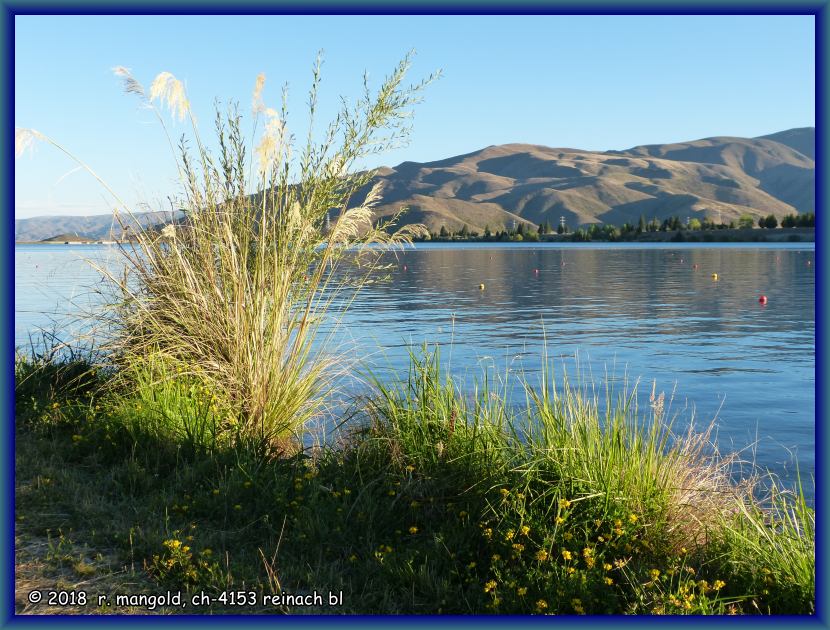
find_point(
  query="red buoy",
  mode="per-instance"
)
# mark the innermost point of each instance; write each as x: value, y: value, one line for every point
x: 762, y: 299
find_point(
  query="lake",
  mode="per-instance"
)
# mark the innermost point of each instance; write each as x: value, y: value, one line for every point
x: 647, y: 311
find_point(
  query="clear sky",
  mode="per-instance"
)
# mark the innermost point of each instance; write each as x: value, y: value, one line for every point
x: 589, y: 82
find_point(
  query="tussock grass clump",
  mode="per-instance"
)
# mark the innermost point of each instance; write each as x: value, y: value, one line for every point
x: 239, y: 286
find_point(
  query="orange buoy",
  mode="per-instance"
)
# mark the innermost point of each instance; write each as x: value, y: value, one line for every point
x: 481, y: 286
x: 762, y: 299
x: 714, y: 276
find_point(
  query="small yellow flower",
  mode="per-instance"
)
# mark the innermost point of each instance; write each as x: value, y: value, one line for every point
x: 55, y: 405
x: 632, y: 518
x: 472, y: 565
x: 525, y: 530
x: 237, y: 507
x: 609, y: 581
x: 606, y: 566
x: 489, y: 586
x: 509, y: 535
x: 718, y: 585
x: 541, y: 555
x: 215, y: 491
x: 410, y: 468
x: 496, y: 557
x: 353, y: 558
x: 568, y: 536
x: 567, y: 555
x: 654, y: 573
x: 462, y: 514
x: 565, y: 504
x: 413, y: 530
x: 601, y: 538
x: 77, y: 438
x: 521, y: 591
x: 541, y: 605
x: 559, y: 520
x: 519, y: 547
x: 504, y: 492
x: 391, y: 493
x: 488, y: 533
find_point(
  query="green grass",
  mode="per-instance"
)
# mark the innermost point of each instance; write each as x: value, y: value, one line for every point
x: 442, y: 500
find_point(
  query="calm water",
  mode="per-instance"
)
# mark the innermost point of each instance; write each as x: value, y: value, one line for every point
x: 641, y: 311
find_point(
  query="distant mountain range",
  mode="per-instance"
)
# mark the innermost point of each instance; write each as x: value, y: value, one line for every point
x: 720, y: 178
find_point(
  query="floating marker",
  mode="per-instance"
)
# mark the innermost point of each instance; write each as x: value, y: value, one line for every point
x: 536, y: 271
x: 681, y: 260
x: 809, y: 263
x: 694, y: 266
x: 714, y: 276
x: 481, y: 286
x: 404, y: 267
x: 762, y: 299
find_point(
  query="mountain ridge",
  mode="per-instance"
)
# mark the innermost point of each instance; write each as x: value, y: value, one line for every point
x: 720, y: 177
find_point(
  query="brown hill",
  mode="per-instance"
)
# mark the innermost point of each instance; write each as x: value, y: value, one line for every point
x: 721, y: 178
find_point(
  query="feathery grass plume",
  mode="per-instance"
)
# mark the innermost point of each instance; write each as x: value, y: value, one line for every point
x: 241, y: 291
x: 258, y: 105
x: 25, y: 140
x: 170, y: 91
x: 131, y: 86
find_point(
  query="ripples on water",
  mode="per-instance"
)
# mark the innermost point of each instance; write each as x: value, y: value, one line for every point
x: 629, y: 311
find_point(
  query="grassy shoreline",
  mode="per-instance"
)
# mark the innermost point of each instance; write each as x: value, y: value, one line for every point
x: 437, y: 503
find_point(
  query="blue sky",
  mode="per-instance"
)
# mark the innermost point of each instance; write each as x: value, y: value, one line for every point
x: 590, y: 82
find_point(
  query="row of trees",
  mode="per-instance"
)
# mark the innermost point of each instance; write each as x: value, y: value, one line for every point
x: 608, y: 231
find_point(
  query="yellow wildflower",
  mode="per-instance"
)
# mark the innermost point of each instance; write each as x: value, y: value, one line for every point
x: 609, y: 581
x: 489, y: 586
x: 632, y: 518
x: 541, y: 605
x: 413, y: 530
x: 567, y: 554
x: 509, y: 535
x: 718, y: 585
x: 525, y: 530
x: 564, y: 503
x: 521, y: 591
x: 654, y: 573
x: 541, y: 555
